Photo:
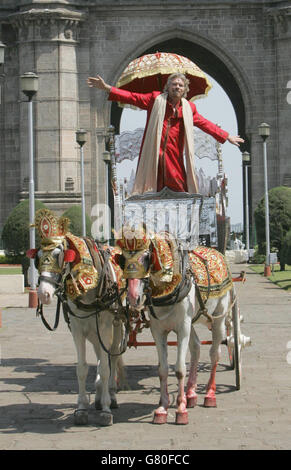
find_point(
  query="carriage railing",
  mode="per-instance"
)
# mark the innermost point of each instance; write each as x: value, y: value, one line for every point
x: 166, y: 211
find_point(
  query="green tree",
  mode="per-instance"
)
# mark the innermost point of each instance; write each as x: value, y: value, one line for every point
x: 15, y: 234
x: 286, y: 248
x: 74, y: 214
x: 280, y: 220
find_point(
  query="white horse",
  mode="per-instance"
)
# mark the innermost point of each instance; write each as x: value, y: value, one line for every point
x: 175, y: 311
x: 92, y: 315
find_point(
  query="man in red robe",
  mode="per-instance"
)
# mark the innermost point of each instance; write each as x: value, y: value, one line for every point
x: 171, y: 170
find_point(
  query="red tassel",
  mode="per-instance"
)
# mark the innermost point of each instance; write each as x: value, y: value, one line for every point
x: 69, y: 256
x: 31, y: 253
x: 116, y: 258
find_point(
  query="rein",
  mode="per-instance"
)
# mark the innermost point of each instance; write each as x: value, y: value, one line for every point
x: 39, y: 311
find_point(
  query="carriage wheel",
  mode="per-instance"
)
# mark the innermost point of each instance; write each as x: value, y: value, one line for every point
x: 230, y: 348
x: 237, y: 344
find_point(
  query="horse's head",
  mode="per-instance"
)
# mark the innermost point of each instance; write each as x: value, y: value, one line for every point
x: 53, y: 256
x: 135, y: 262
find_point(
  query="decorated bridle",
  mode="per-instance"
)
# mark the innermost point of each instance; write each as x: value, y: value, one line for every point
x: 138, y: 258
x: 54, y: 236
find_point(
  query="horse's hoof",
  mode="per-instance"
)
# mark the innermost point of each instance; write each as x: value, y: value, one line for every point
x: 106, y: 419
x: 191, y: 401
x: 160, y: 417
x: 210, y: 402
x: 181, y: 417
x: 81, y: 417
x: 114, y: 404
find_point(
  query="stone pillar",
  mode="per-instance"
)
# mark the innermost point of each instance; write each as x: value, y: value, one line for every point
x: 282, y: 35
x: 48, y: 40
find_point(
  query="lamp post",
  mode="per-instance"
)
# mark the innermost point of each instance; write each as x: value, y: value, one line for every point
x: 29, y: 86
x: 107, y: 217
x: 81, y: 140
x: 2, y: 50
x: 246, y: 161
x: 264, y: 132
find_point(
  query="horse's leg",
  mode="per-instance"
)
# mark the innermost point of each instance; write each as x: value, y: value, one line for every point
x: 217, y: 336
x: 81, y: 413
x: 183, y: 341
x: 116, y: 363
x: 102, y: 398
x: 160, y: 338
x: 121, y: 380
x: 194, y: 346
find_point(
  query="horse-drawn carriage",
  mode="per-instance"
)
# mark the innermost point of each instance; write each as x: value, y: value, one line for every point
x: 163, y: 272
x: 157, y: 275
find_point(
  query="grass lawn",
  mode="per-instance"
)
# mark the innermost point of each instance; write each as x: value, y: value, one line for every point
x: 10, y: 270
x: 281, y: 278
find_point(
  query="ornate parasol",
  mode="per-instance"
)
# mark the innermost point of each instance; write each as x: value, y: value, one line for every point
x: 150, y: 73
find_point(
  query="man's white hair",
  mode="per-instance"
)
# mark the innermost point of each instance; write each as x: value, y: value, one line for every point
x: 182, y: 77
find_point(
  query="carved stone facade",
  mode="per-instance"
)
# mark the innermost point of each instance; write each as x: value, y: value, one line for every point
x: 244, y: 45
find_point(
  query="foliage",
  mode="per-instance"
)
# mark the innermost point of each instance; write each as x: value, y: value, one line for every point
x: 286, y: 248
x: 15, y: 235
x: 258, y: 258
x: 279, y: 218
x: 74, y: 214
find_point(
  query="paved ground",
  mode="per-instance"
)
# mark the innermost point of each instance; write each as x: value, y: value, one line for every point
x: 39, y: 389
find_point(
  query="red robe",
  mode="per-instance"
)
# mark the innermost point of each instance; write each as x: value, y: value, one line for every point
x: 171, y: 169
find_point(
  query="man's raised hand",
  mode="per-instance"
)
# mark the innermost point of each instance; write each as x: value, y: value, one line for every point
x: 235, y: 140
x: 98, y: 82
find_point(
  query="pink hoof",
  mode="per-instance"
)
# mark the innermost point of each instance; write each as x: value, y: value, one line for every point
x: 192, y: 401
x: 160, y: 417
x: 181, y: 417
x: 210, y: 402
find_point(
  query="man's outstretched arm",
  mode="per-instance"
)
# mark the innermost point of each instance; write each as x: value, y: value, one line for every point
x: 138, y: 100
x: 211, y: 128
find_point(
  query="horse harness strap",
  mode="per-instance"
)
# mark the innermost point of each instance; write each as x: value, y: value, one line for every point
x: 183, y: 289
x: 39, y: 311
x: 202, y: 310
x: 179, y: 293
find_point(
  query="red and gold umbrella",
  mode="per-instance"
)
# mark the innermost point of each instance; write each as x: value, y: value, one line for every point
x: 150, y: 73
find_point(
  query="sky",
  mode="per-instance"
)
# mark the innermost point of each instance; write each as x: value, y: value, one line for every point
x: 218, y: 108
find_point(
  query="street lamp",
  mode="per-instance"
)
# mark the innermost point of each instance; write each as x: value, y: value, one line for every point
x: 81, y: 140
x: 2, y: 49
x: 246, y: 161
x: 29, y: 86
x: 264, y: 132
x: 107, y: 216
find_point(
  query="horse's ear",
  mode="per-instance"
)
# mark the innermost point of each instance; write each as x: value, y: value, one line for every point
x: 119, y: 259
x: 31, y: 253
x: 69, y: 256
